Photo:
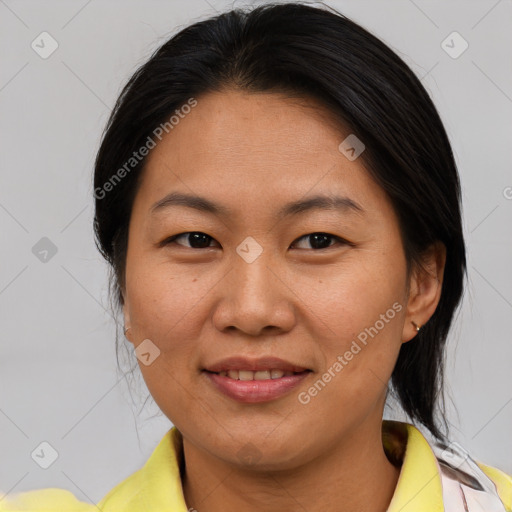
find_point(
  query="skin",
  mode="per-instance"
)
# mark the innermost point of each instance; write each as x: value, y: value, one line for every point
x: 253, y: 153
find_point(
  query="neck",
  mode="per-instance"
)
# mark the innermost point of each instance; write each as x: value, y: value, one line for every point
x: 355, y: 473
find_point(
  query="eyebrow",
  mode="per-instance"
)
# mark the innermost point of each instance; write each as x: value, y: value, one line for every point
x: 318, y: 202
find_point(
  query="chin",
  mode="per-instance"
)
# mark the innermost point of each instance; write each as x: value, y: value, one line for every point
x: 258, y: 451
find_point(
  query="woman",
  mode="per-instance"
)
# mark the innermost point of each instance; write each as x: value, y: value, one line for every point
x: 279, y: 203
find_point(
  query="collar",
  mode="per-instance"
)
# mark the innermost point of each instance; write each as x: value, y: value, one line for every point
x: 419, y: 487
x: 157, y: 485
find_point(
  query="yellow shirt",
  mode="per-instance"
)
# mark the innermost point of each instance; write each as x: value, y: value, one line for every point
x: 157, y: 485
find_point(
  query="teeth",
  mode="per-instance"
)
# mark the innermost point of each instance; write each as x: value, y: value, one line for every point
x: 259, y: 375
x: 245, y: 375
x: 262, y: 375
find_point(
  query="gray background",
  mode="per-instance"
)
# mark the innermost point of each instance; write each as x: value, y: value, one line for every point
x: 58, y: 378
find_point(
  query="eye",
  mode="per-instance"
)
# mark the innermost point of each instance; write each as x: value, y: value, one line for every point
x: 321, y: 240
x: 196, y: 239
x: 199, y: 240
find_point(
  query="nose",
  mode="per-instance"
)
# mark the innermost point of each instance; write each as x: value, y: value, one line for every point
x: 255, y: 299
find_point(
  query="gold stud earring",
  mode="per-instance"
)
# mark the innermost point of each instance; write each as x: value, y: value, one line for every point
x: 418, y: 327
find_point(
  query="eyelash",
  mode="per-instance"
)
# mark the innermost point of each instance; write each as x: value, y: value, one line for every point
x: 170, y: 240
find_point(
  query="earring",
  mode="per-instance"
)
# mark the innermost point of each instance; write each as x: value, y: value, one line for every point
x: 126, y: 329
x: 418, y: 327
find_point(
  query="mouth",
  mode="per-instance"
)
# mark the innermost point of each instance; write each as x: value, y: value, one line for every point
x: 255, y: 380
x: 262, y: 368
x: 247, y: 375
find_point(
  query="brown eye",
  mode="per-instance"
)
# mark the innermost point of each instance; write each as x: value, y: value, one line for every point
x: 195, y: 239
x: 320, y: 241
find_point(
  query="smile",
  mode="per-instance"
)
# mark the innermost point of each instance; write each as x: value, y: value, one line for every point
x: 256, y: 375
x: 255, y: 386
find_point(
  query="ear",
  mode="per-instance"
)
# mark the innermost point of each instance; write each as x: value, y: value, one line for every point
x: 425, y: 285
x: 127, y: 323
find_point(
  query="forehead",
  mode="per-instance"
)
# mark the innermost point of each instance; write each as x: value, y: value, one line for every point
x: 240, y: 124
x: 239, y: 146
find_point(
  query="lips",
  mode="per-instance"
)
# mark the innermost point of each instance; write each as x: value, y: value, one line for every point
x: 243, y: 368
x: 256, y: 380
x: 255, y: 391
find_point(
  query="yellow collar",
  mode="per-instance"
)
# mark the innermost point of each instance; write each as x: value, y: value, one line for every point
x: 157, y: 485
x: 419, y: 487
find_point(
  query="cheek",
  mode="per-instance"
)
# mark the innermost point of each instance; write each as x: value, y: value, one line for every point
x: 358, y: 353
x: 164, y: 306
x: 348, y: 299
x: 163, y: 298
x: 358, y: 315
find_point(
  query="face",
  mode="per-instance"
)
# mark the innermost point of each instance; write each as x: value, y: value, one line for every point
x: 323, y: 289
